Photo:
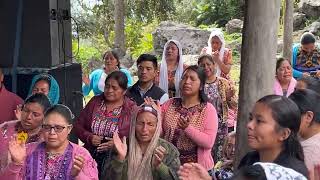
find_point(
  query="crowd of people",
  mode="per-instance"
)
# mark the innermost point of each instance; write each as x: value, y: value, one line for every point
x: 175, y: 122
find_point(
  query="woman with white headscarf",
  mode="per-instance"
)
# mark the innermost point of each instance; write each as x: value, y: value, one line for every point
x: 148, y: 157
x: 220, y: 54
x: 171, y: 68
x: 222, y: 57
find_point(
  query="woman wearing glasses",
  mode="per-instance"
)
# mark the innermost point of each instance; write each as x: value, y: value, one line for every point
x: 56, y: 157
x: 32, y: 115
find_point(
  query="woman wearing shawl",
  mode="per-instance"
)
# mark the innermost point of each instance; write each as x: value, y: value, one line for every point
x: 46, y: 84
x: 171, y: 68
x: 56, y: 157
x: 284, y: 83
x: 219, y: 95
x: 190, y: 122
x: 149, y: 157
x: 96, y: 79
x: 221, y: 55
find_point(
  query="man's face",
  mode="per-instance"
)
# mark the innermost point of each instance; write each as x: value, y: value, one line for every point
x: 146, y: 71
x: 308, y: 47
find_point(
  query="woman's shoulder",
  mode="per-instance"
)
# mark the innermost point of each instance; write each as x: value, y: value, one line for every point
x: 8, y: 124
x: 129, y: 103
x: 227, y: 50
x: 170, y: 148
x: 124, y: 70
x: 79, y: 150
x: 96, y: 72
x: 293, y: 163
x: 223, y: 80
x: 95, y: 99
x: 249, y: 159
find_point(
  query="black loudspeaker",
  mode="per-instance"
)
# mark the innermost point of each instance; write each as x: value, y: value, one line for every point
x: 68, y: 78
x: 36, y: 32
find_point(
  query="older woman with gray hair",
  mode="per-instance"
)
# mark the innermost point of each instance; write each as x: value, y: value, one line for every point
x: 149, y: 157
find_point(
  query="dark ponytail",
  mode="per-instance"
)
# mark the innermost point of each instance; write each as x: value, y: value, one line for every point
x: 287, y: 115
x: 293, y: 147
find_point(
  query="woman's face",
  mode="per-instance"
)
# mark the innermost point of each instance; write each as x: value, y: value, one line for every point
x: 208, y: 66
x: 190, y: 83
x: 112, y: 91
x: 55, y: 130
x: 284, y: 72
x: 42, y: 87
x: 32, y: 115
x: 262, y: 132
x: 215, y: 43
x: 110, y: 62
x: 172, y: 51
x: 146, y: 126
x: 230, y: 149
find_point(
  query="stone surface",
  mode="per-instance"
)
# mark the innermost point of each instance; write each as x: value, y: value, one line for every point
x: 192, y: 39
x: 299, y: 21
x: 314, y: 28
x: 310, y: 7
x: 234, y: 26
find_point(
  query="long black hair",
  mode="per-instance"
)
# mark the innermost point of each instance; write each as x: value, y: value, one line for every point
x: 307, y: 100
x: 287, y: 115
x: 202, y: 76
x: 120, y: 77
x: 40, y: 99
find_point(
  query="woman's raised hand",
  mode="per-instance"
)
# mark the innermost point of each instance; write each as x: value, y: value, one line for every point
x: 121, y: 146
x: 151, y: 102
x: 17, y: 150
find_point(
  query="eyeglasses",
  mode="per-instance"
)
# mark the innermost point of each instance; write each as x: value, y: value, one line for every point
x: 56, y: 128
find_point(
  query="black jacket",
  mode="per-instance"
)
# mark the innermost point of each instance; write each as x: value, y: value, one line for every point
x: 154, y: 92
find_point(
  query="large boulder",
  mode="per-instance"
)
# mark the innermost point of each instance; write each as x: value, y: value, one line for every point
x: 314, y: 28
x: 299, y: 21
x: 192, y: 39
x: 234, y: 26
x: 310, y: 7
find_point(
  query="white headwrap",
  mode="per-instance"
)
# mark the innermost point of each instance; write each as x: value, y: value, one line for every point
x: 277, y: 172
x: 218, y: 33
x: 139, y: 166
x: 163, y: 81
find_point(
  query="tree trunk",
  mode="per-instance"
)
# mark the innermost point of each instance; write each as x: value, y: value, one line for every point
x: 119, y: 41
x: 288, y: 29
x: 258, y: 54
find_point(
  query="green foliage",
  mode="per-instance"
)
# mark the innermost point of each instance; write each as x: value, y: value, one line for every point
x: 145, y: 43
x: 85, y: 54
x: 217, y: 11
x: 149, y: 10
x: 233, y: 37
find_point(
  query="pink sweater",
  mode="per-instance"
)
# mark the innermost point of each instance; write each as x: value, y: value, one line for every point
x: 204, y: 138
x: 277, y: 89
x: 88, y: 172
